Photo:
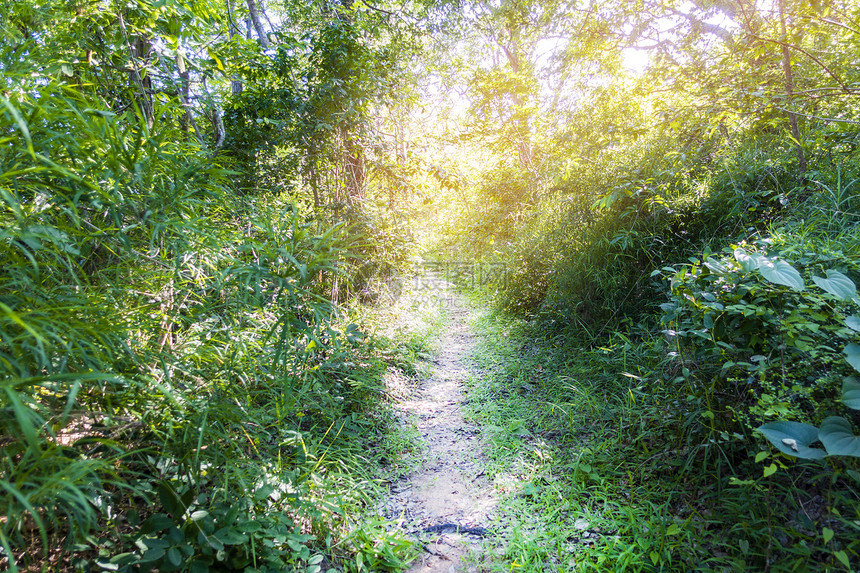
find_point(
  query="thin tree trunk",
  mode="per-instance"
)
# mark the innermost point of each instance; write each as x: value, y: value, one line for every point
x: 315, y: 185
x: 233, y: 30
x: 185, y: 92
x: 258, y: 24
x: 138, y: 50
x: 217, y: 120
x: 353, y: 160
x: 188, y: 117
x: 789, y: 90
x: 523, y: 142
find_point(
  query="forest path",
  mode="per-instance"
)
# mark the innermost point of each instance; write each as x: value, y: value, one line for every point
x: 446, y: 501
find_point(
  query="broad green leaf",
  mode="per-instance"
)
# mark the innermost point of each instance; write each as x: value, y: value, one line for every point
x: 673, y: 529
x: 152, y: 555
x: 793, y: 438
x: 853, y: 322
x: 249, y: 526
x: 265, y: 491
x: 174, y: 557
x: 715, y: 266
x: 153, y: 549
x: 852, y: 351
x: 100, y: 112
x: 842, y: 557
x: 748, y: 262
x: 838, y: 437
x: 229, y: 536
x: 531, y: 489
x: 170, y: 499
x: 157, y: 522
x: 213, y: 541
x: 759, y: 457
x: 851, y: 393
x: 827, y: 534
x: 837, y: 284
x: 781, y: 273
x: 122, y: 558
x: 770, y: 470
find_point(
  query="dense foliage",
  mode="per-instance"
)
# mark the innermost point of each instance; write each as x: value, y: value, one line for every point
x: 180, y: 388
x: 193, y: 194
x: 698, y: 214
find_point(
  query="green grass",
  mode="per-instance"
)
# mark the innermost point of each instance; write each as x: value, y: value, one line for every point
x: 604, y: 466
x: 178, y: 388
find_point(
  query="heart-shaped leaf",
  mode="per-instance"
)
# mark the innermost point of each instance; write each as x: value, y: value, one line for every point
x: 781, y: 273
x: 748, y: 262
x: 715, y: 266
x: 853, y: 322
x: 793, y: 438
x: 851, y: 393
x: 838, y: 437
x: 837, y: 284
x: 852, y: 351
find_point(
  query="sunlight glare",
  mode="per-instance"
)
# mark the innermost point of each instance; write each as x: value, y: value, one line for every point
x: 636, y: 61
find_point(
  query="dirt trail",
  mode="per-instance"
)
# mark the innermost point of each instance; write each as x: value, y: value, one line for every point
x: 447, y: 492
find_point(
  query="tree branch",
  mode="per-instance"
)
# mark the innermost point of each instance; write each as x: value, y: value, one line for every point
x: 824, y: 67
x: 377, y: 9
x: 706, y: 27
x: 841, y: 25
x: 818, y: 117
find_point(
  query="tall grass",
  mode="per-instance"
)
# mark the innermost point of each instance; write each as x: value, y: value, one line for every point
x: 611, y: 264
x: 172, y: 369
x: 607, y: 459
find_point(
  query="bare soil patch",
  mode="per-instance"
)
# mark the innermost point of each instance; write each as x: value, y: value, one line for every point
x: 446, y: 502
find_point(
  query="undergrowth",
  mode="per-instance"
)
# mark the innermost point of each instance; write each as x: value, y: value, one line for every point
x: 607, y: 463
x: 178, y: 389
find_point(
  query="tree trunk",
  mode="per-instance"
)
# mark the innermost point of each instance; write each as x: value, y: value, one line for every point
x: 257, y: 22
x: 142, y: 46
x: 789, y: 90
x: 185, y: 92
x: 138, y: 50
x: 233, y: 30
x: 354, y: 161
x: 523, y: 137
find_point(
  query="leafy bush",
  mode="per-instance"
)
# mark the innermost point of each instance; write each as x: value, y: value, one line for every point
x: 581, y: 258
x: 772, y: 346
x: 173, y: 373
